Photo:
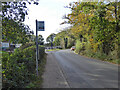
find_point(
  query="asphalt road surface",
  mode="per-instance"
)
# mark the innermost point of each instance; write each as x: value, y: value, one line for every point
x: 79, y: 72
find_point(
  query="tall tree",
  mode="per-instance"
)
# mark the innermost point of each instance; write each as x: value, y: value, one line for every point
x: 16, y: 10
x: 97, y: 23
x: 13, y: 16
x: 50, y: 38
x: 40, y: 39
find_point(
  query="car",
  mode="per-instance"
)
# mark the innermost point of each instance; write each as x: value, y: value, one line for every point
x: 72, y: 48
x: 58, y: 47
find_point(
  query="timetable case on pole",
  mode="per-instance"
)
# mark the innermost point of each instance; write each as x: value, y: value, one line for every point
x: 40, y: 26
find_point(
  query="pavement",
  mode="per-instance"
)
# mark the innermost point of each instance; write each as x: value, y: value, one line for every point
x: 53, y: 76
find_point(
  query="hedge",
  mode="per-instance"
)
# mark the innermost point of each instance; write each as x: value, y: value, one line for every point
x: 19, y: 68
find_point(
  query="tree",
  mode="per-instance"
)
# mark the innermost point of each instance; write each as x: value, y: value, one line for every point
x: 64, y: 38
x: 104, y: 25
x: 15, y: 32
x: 16, y: 10
x: 50, y: 38
x: 13, y: 16
x: 40, y: 40
x: 95, y: 26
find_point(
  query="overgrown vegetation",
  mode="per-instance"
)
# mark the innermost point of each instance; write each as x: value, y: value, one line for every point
x: 95, y: 30
x: 19, y: 68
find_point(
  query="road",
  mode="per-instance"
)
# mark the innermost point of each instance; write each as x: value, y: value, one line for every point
x: 80, y: 72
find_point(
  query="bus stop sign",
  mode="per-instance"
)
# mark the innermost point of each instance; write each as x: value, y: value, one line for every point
x: 40, y: 26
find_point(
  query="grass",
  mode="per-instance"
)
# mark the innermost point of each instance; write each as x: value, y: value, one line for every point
x: 100, y: 56
x: 116, y: 61
x: 53, y: 49
x: 3, y: 52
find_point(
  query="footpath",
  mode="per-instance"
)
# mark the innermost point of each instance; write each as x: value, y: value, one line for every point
x: 53, y: 76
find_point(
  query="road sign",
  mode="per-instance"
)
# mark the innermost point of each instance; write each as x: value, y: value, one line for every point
x: 40, y: 26
x: 17, y: 45
x: 5, y: 44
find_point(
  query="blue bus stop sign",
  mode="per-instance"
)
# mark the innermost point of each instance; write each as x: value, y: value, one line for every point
x: 40, y: 26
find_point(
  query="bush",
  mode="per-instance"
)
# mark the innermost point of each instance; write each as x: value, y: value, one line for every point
x: 19, y: 69
x: 88, y: 49
x: 70, y: 43
x: 37, y: 83
x: 4, y: 58
x: 100, y: 55
x: 41, y: 52
x: 80, y: 47
x: 27, y: 45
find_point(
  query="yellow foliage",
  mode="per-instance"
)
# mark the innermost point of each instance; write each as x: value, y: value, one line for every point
x: 111, y: 7
x: 110, y: 15
x: 90, y: 40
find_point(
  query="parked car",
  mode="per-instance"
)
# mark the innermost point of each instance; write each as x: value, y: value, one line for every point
x: 58, y: 47
x: 72, y: 48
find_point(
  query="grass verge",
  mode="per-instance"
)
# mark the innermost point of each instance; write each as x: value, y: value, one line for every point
x: 100, y: 57
x: 53, y: 49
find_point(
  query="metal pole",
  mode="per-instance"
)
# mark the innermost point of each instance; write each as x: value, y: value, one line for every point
x: 36, y: 49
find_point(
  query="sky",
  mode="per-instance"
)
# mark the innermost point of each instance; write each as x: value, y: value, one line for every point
x: 49, y: 11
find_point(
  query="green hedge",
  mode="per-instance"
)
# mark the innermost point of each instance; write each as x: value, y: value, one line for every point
x: 19, y: 68
x: 27, y: 45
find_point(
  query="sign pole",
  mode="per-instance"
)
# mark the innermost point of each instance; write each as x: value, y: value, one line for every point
x: 39, y: 27
x: 36, y: 49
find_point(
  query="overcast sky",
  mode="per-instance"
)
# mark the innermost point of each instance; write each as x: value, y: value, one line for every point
x: 50, y: 11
